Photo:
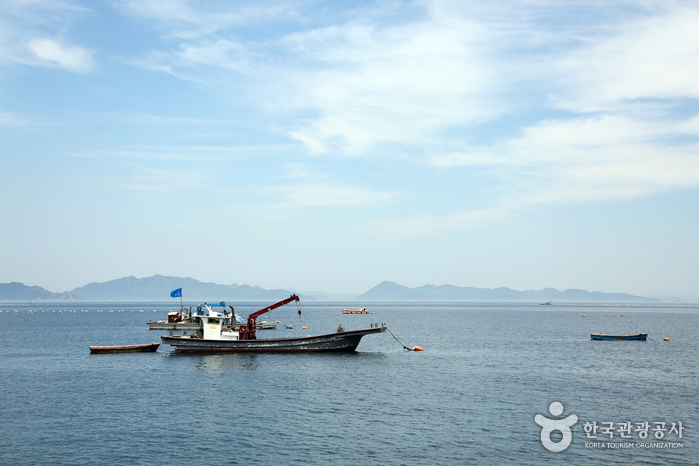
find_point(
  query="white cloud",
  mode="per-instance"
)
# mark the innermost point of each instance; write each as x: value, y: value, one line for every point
x: 33, y: 32
x: 401, y: 84
x: 348, y: 87
x: 589, y: 159
x: 650, y: 58
x: 56, y: 54
x: 419, y: 86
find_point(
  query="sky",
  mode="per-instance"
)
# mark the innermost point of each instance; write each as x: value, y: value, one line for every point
x: 332, y: 145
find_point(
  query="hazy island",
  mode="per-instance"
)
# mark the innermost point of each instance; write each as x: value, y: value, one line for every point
x: 158, y: 287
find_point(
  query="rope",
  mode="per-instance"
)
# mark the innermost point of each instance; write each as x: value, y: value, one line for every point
x: 389, y: 331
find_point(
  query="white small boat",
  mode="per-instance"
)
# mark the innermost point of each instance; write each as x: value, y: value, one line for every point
x: 267, y: 325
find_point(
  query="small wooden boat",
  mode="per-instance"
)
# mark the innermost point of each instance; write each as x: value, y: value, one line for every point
x: 147, y: 348
x: 602, y: 336
x: 358, y: 311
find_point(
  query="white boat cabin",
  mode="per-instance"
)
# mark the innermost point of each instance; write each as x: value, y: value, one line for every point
x: 215, y: 327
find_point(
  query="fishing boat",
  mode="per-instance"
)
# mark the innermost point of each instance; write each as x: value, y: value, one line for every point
x: 179, y: 324
x: 185, y: 320
x: 147, y: 348
x: 602, y: 336
x: 217, y: 334
x: 358, y: 311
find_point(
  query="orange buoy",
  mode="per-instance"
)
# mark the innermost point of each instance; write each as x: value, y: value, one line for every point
x: 605, y: 315
x: 417, y: 348
x: 305, y: 328
x: 622, y: 315
x: 666, y: 339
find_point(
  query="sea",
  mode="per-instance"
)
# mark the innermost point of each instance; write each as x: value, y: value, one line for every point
x: 487, y: 372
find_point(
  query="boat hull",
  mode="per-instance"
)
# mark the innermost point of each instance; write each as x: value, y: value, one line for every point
x: 332, y: 342
x: 602, y: 336
x: 148, y: 348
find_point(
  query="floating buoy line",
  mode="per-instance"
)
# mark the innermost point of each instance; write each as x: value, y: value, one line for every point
x: 414, y: 348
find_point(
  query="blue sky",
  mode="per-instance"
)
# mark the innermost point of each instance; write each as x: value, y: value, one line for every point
x: 317, y: 145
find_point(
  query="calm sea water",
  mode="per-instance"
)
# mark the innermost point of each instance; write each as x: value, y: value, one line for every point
x: 469, y: 398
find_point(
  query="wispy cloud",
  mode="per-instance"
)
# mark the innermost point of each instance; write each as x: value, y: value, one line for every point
x: 650, y: 58
x: 34, y: 33
x: 370, y: 85
x: 365, y: 83
x: 582, y: 110
x: 578, y: 110
x: 593, y: 159
x: 49, y: 52
x: 190, y: 20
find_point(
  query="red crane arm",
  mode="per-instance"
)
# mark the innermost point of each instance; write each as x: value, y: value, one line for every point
x: 247, y: 332
x: 257, y: 314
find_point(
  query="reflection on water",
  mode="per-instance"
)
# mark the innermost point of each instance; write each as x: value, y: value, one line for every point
x: 228, y: 362
x: 294, y: 362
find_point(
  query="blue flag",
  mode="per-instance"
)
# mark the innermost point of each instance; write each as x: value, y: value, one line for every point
x: 177, y: 293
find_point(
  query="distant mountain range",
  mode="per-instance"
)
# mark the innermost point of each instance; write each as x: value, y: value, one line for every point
x: 158, y: 288
x: 19, y: 292
x: 389, y: 291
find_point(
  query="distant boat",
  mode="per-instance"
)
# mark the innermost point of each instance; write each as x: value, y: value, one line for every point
x: 147, y: 348
x: 358, y: 311
x: 602, y: 336
x: 547, y: 304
